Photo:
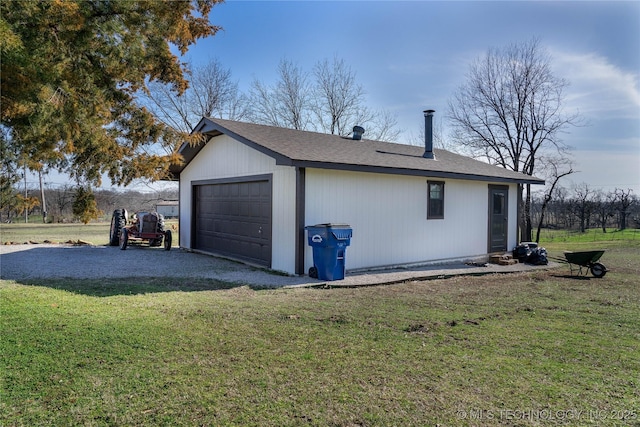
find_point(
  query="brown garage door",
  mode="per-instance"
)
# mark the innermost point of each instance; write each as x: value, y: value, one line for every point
x: 234, y: 219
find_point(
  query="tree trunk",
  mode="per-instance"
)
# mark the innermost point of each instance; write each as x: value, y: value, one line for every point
x: 547, y: 199
x: 527, y: 215
x: 521, y: 215
x: 42, y: 200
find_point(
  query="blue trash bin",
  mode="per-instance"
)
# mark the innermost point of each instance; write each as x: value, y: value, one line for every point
x: 329, y: 243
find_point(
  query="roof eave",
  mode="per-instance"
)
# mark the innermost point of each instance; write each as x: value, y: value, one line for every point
x: 412, y: 172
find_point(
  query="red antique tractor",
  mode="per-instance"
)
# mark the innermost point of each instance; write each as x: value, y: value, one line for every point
x: 143, y: 226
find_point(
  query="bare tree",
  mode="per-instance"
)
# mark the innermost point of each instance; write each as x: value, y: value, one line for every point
x: 264, y: 108
x: 439, y: 136
x: 559, y: 206
x: 509, y: 112
x: 338, y: 97
x: 169, y: 107
x: 557, y: 169
x: 327, y: 100
x: 293, y: 94
x: 624, y: 200
x: 383, y: 127
x: 286, y: 104
x: 339, y: 104
x: 215, y: 94
x: 211, y: 93
x: 604, y: 208
x: 583, y: 204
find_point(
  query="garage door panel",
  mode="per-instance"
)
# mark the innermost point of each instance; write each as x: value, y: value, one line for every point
x: 234, y: 219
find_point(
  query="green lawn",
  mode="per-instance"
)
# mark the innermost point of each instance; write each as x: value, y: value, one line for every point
x: 528, y: 349
x: 592, y: 235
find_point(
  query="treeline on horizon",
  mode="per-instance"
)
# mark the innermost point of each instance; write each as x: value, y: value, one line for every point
x: 579, y: 208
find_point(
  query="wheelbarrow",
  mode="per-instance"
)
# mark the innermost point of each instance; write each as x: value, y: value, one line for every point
x: 586, y: 259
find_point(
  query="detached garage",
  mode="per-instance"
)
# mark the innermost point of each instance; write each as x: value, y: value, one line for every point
x: 247, y: 192
x: 233, y: 218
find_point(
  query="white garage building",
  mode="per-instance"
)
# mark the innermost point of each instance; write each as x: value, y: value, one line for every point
x: 248, y: 191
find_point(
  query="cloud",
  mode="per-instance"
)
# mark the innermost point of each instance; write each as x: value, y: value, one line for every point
x: 607, y: 170
x: 598, y: 87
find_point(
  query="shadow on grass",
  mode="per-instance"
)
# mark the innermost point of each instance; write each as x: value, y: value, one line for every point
x: 131, y: 286
x: 572, y: 276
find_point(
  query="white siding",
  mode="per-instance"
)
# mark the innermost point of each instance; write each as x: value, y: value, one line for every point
x: 224, y: 157
x: 283, y: 251
x: 168, y: 211
x: 388, y: 214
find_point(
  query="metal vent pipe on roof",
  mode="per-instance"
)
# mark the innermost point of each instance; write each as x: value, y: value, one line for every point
x: 357, y: 133
x: 428, y: 134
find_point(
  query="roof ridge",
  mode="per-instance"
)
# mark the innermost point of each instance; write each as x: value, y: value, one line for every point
x: 304, y: 148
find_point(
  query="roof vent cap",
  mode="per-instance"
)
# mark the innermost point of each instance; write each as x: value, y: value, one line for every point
x: 357, y: 133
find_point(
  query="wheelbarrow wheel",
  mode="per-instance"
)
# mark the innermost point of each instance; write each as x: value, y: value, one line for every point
x: 598, y: 270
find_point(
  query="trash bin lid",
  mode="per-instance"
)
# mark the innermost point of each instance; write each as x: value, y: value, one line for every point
x: 341, y: 233
x: 328, y: 225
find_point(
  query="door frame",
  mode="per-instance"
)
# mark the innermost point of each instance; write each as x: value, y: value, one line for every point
x: 505, y: 190
x: 229, y: 180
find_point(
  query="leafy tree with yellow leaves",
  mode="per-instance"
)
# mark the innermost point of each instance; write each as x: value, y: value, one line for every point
x: 84, y: 206
x: 70, y: 74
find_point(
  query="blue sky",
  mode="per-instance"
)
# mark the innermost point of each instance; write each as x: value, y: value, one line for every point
x: 411, y: 55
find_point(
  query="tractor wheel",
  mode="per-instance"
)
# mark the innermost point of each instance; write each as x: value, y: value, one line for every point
x: 167, y: 240
x: 598, y: 270
x: 159, y: 230
x: 124, y: 239
x: 160, y: 223
x: 118, y: 221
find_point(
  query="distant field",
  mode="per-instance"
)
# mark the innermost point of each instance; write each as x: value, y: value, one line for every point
x: 96, y: 233
x: 591, y: 235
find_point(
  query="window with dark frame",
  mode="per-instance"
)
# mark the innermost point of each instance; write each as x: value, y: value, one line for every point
x: 435, y: 197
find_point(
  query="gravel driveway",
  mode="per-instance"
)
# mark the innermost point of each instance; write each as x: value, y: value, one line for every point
x: 19, y: 262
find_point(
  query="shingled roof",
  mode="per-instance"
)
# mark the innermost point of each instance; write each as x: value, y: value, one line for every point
x: 317, y: 150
